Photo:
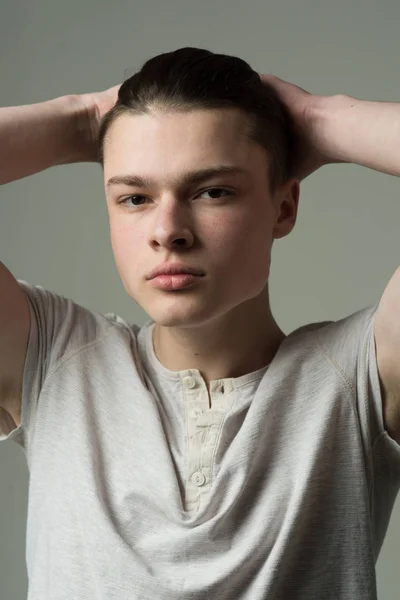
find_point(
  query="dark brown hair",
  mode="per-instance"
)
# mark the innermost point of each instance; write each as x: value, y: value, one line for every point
x: 193, y: 78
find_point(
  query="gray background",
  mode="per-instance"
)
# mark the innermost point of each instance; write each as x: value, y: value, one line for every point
x: 54, y: 226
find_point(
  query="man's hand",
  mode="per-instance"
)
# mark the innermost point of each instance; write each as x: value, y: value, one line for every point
x: 310, y: 148
x: 96, y: 105
x: 340, y: 129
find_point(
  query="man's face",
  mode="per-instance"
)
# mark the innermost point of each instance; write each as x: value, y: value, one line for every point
x: 227, y: 233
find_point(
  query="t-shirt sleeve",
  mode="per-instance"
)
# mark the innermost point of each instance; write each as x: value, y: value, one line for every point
x: 350, y: 343
x: 384, y: 459
x: 59, y: 327
x: 369, y: 398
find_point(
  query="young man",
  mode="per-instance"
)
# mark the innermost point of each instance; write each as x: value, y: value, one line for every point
x: 206, y: 454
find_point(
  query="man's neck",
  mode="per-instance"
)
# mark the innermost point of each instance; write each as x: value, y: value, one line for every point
x: 244, y: 343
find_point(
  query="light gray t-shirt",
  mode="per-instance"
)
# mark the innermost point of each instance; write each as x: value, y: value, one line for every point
x: 282, y: 489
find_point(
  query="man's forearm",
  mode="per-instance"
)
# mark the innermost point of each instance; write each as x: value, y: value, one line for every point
x: 361, y: 132
x: 35, y: 137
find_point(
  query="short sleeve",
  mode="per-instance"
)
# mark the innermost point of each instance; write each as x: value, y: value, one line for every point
x: 59, y: 327
x: 370, y: 401
x: 351, y: 346
x: 385, y: 451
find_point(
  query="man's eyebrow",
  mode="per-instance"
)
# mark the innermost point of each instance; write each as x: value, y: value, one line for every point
x: 191, y: 177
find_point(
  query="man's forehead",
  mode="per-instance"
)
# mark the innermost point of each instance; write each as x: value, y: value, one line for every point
x: 175, y: 154
x: 187, y: 178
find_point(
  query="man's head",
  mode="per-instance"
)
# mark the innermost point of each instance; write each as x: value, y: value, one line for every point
x: 184, y: 112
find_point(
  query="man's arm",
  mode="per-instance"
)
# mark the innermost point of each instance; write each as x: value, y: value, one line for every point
x: 32, y: 138
x: 334, y: 129
x: 358, y: 131
x: 368, y: 134
x: 35, y: 137
x: 343, y: 129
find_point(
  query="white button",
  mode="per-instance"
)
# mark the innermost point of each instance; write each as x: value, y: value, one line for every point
x: 198, y: 478
x: 196, y: 412
x: 189, y: 382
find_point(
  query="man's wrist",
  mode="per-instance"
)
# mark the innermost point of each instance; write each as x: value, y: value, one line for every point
x: 82, y: 148
x: 329, y: 123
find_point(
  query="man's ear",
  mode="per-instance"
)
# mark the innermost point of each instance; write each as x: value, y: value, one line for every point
x: 286, y: 202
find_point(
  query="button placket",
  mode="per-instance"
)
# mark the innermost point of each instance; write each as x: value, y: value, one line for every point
x: 196, y: 402
x: 204, y: 414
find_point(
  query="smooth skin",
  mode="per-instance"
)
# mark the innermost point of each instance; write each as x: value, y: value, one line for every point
x: 224, y: 225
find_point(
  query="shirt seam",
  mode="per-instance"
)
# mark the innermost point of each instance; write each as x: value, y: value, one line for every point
x: 52, y: 371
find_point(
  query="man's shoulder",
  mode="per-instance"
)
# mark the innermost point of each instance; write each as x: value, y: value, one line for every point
x: 334, y: 342
x: 354, y: 323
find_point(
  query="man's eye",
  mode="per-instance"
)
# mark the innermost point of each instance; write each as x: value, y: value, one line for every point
x: 218, y: 190
x: 133, y: 198
x: 211, y: 191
